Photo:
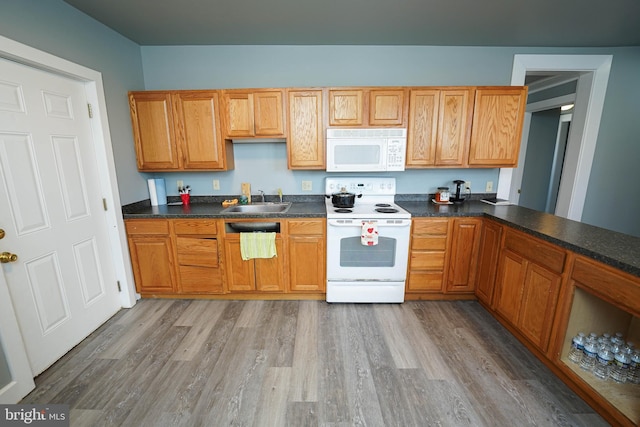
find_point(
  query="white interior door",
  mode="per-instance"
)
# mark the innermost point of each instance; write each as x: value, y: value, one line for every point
x: 63, y: 284
x: 16, y: 380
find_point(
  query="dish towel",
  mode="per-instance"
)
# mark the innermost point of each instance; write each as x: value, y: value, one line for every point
x: 369, y: 235
x: 257, y: 245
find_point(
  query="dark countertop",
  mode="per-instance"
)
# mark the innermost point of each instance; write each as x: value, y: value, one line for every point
x: 609, y: 247
x: 618, y: 250
x: 211, y: 207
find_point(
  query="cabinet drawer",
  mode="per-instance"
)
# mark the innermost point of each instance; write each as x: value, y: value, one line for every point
x: 431, y: 227
x: 437, y: 243
x: 610, y: 283
x: 152, y: 226
x: 306, y: 227
x: 182, y: 226
x: 425, y: 281
x: 535, y: 250
x: 427, y: 260
x: 200, y: 279
x: 197, y: 251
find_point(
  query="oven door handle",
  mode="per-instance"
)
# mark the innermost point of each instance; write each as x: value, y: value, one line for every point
x: 358, y: 223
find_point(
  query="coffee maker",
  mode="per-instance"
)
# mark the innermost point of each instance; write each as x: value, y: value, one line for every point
x: 458, y: 198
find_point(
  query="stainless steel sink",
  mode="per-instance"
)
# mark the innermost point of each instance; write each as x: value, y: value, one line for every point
x: 258, y: 208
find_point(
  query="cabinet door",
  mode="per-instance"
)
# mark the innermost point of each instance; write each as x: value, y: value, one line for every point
x: 307, y: 266
x: 540, y: 296
x: 463, y: 261
x: 488, y: 261
x: 239, y: 114
x: 386, y: 107
x: 198, y: 129
x: 153, y: 131
x: 422, y: 128
x: 240, y: 273
x: 345, y: 107
x: 510, y: 285
x: 269, y: 272
x: 152, y: 262
x: 454, y: 121
x: 305, y: 144
x: 268, y: 114
x: 497, y: 126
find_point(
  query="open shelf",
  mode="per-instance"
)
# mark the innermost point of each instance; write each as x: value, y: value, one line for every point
x: 591, y: 314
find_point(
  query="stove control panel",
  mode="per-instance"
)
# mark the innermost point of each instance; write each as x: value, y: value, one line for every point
x: 366, y: 186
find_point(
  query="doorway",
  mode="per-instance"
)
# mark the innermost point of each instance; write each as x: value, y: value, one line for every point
x: 590, y: 93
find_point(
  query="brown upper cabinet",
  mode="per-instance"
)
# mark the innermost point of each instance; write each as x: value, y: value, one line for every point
x: 465, y: 126
x: 439, y: 127
x: 305, y: 143
x: 256, y: 113
x: 178, y: 130
x: 497, y: 126
x: 355, y: 107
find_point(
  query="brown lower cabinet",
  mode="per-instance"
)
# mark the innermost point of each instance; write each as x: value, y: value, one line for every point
x: 527, y: 286
x: 306, y: 243
x: 152, y: 257
x: 545, y: 295
x: 262, y: 275
x: 197, y: 253
x: 443, y: 257
x: 179, y: 257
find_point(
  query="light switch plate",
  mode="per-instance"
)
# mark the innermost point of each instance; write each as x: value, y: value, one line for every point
x: 216, y: 184
x: 489, y: 187
x: 180, y: 184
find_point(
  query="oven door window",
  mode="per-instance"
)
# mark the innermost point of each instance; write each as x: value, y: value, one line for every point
x: 354, y: 254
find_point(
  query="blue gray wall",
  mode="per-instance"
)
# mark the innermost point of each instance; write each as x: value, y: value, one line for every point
x: 56, y: 27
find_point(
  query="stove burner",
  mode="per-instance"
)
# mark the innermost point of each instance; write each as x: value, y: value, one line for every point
x: 386, y: 210
x: 383, y: 205
x: 343, y: 210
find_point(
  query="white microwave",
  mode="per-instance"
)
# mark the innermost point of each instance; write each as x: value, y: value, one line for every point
x: 366, y: 150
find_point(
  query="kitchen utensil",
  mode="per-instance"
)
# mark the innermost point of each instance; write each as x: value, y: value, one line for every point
x: 343, y: 199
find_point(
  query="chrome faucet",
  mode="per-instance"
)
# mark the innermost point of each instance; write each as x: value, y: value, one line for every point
x: 261, y: 195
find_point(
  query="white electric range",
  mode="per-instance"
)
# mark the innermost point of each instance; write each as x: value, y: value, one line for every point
x: 359, y: 269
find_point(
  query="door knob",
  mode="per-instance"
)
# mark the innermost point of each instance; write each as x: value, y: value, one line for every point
x: 1, y: 233
x: 8, y: 257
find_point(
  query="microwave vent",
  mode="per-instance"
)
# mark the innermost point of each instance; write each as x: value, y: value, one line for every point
x: 367, y: 133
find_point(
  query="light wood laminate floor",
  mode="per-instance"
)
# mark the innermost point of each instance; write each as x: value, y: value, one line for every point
x: 307, y: 363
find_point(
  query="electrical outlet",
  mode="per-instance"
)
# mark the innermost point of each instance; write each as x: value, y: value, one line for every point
x: 467, y: 185
x: 216, y: 184
x: 489, y: 187
x: 307, y: 185
x: 180, y: 184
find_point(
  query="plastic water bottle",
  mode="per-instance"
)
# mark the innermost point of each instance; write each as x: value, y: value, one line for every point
x: 577, y: 348
x: 590, y: 353
x: 603, y: 362
x: 604, y: 339
x: 620, y: 367
x: 617, y: 344
x: 634, y: 368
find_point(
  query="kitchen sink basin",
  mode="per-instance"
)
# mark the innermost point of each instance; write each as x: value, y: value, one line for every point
x: 258, y: 208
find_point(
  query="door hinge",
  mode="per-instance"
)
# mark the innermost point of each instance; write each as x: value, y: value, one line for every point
x: 119, y: 287
x: 90, y: 110
x: 104, y: 204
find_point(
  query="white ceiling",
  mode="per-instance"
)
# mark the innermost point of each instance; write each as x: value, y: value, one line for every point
x: 569, y: 23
